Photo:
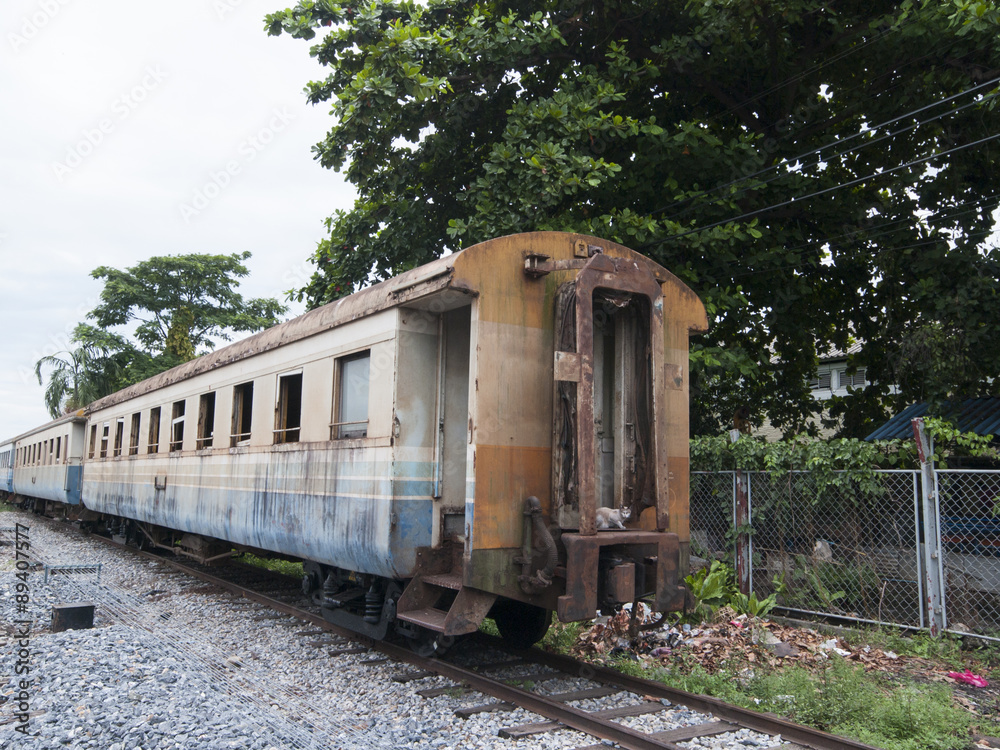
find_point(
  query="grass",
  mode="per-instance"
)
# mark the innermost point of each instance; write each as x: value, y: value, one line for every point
x: 891, y: 711
x: 275, y: 564
x: 841, y: 699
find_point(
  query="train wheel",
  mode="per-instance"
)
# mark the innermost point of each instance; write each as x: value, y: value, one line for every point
x: 521, y: 625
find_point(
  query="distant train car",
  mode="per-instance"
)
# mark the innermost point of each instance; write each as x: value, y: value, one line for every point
x: 48, y: 462
x: 502, y: 431
x: 7, y: 467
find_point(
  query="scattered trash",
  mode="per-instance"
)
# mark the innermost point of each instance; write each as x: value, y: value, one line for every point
x: 751, y: 640
x: 967, y: 677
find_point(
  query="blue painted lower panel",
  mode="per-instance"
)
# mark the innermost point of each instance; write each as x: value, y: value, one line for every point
x: 60, y: 483
x: 343, y: 508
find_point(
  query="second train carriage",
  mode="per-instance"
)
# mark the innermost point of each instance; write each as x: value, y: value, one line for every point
x: 435, y: 447
x: 7, y: 467
x: 48, y: 462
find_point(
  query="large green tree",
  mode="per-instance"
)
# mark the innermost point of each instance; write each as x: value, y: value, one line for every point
x: 819, y: 173
x: 180, y: 303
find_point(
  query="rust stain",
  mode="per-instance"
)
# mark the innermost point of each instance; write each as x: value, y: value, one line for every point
x: 505, y: 476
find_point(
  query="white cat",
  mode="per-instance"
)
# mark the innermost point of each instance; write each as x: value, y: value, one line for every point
x: 612, y: 518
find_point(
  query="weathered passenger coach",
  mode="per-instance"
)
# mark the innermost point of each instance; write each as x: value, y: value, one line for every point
x: 435, y: 447
x: 7, y: 467
x: 48, y: 462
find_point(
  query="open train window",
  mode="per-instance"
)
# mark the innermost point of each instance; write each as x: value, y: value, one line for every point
x: 133, y: 434
x: 206, y: 420
x: 242, y: 414
x: 177, y: 427
x: 288, y: 412
x: 153, y: 444
x: 93, y: 441
x: 119, y: 435
x: 58, y: 450
x: 351, y: 418
x: 105, y: 434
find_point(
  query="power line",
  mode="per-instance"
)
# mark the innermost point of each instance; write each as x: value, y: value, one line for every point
x: 857, y: 181
x: 816, y: 151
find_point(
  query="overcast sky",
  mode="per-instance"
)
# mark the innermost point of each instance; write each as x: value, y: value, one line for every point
x: 137, y: 129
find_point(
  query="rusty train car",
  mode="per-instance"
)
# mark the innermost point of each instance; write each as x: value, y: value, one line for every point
x: 436, y: 448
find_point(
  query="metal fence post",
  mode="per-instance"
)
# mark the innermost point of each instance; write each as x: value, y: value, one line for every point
x: 741, y: 520
x: 931, y: 546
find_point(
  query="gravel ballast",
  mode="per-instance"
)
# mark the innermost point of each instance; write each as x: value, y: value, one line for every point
x: 175, y: 663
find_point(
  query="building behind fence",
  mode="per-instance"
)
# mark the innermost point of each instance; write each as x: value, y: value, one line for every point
x: 885, y: 554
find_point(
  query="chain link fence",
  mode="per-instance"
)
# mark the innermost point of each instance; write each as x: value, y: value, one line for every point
x: 969, y: 508
x: 830, y: 547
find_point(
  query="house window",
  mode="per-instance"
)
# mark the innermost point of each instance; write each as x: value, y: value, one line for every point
x: 822, y: 382
x: 351, y: 419
x: 206, y: 420
x: 153, y: 444
x: 105, y: 433
x: 858, y: 379
x: 133, y: 434
x: 288, y: 413
x: 242, y: 414
x: 177, y: 427
x: 119, y: 435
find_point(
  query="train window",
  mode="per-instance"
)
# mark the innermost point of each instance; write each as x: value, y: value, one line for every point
x: 153, y: 444
x: 242, y: 414
x: 206, y: 420
x: 288, y: 413
x: 177, y: 427
x: 119, y: 435
x: 58, y: 450
x: 93, y: 441
x: 133, y: 434
x: 105, y: 434
x: 352, y: 396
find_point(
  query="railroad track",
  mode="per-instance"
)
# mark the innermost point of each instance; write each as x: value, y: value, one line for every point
x: 601, y: 724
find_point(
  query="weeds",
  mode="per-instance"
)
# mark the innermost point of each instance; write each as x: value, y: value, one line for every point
x: 561, y: 636
x: 841, y: 699
x: 274, y: 564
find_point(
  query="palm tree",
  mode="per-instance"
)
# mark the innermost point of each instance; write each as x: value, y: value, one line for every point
x: 85, y: 374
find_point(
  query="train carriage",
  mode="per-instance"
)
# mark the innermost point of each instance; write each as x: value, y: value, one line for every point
x: 441, y: 446
x: 48, y: 462
x: 7, y: 467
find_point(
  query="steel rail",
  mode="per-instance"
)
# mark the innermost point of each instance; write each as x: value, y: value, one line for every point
x: 569, y: 716
x: 767, y: 723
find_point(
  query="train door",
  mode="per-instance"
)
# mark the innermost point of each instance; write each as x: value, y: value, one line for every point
x: 609, y: 349
x: 452, y: 437
x: 621, y: 399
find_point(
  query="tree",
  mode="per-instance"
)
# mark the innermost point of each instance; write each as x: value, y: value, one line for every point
x: 86, y: 373
x: 181, y: 303
x: 820, y: 173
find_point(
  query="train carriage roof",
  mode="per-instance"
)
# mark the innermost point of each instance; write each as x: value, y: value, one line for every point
x: 406, y: 289
x: 73, y: 416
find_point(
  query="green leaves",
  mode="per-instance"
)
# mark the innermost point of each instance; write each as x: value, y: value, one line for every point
x: 737, y: 144
x: 201, y: 288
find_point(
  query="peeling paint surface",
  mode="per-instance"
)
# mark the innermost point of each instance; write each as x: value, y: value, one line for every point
x: 353, y: 508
